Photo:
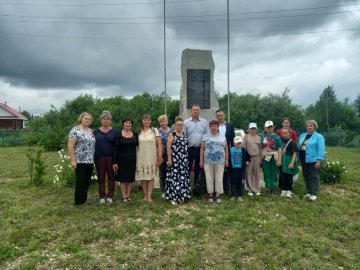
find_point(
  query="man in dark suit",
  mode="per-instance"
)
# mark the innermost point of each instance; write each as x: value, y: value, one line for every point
x: 228, y: 131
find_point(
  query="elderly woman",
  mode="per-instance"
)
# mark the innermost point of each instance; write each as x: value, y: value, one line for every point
x: 177, y: 177
x: 125, y: 158
x: 81, y: 146
x: 164, y: 131
x: 104, y: 149
x: 214, y: 158
x: 312, y: 153
x: 149, y: 157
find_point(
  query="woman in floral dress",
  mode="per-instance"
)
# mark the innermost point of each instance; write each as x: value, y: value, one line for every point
x: 177, y: 186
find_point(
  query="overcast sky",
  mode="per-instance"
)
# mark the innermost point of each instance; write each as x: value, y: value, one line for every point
x: 55, y: 50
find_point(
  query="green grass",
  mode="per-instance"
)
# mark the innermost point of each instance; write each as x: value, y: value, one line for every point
x: 41, y: 229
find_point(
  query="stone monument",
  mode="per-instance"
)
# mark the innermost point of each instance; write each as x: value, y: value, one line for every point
x: 197, y: 74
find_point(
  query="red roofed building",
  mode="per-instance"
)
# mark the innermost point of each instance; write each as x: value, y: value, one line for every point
x: 11, y: 119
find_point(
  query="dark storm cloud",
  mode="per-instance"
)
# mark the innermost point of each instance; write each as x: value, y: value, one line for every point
x: 118, y: 66
x: 49, y: 62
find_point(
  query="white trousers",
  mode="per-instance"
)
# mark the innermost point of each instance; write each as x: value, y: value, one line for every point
x: 214, y: 177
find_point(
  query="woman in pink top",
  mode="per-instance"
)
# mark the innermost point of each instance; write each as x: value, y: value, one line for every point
x: 287, y: 124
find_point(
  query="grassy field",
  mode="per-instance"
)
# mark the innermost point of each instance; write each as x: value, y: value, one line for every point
x: 41, y: 229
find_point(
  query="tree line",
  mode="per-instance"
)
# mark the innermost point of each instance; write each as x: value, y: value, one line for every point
x: 330, y: 112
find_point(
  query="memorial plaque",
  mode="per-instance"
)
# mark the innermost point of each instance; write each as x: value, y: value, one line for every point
x: 198, y: 88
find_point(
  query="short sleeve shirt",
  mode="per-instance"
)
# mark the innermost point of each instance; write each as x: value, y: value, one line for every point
x: 194, y: 130
x: 164, y: 138
x: 236, y: 157
x: 291, y: 148
x: 214, y: 149
x: 84, y: 146
x: 270, y: 142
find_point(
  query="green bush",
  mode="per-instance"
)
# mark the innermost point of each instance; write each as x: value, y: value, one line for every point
x: 36, y: 166
x: 32, y: 138
x: 54, y: 138
x: 332, y: 172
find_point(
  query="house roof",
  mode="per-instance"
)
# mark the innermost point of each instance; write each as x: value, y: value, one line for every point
x: 6, y: 112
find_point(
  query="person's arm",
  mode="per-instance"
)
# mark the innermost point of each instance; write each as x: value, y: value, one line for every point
x: 321, y: 150
x: 232, y: 133
x: 260, y: 151
x: 115, y: 166
x: 159, y: 150
x: 247, y: 157
x: 71, y: 148
x: 169, y: 152
x: 279, y: 150
x: 226, y: 155
x: 202, y: 150
x: 293, y: 159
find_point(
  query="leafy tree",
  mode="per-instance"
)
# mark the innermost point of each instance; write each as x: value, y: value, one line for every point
x: 329, y: 112
x: 253, y: 108
x: 26, y: 114
x: 356, y: 104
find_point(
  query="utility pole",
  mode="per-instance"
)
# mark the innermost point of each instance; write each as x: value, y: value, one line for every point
x: 228, y: 60
x: 165, y: 91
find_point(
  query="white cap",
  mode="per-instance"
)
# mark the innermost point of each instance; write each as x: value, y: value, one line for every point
x: 252, y: 125
x: 238, y: 139
x: 269, y: 123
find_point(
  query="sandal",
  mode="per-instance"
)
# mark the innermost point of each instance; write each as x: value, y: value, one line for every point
x: 124, y: 200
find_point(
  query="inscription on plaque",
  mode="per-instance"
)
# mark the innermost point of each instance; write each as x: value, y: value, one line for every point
x: 198, y: 88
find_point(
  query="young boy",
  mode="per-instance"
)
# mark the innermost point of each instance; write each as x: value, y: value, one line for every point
x: 288, y: 164
x: 239, y: 159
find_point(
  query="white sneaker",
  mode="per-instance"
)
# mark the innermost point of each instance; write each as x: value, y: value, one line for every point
x: 307, y: 196
x: 250, y: 194
x: 288, y: 194
x: 283, y: 193
x: 109, y: 200
x: 239, y: 199
x: 257, y: 194
x: 312, y: 197
x: 232, y: 198
x: 102, y: 201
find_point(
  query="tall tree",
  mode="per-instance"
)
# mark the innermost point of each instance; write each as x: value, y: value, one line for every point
x: 356, y: 104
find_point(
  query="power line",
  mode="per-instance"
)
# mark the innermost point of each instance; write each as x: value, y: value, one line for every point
x: 171, y: 17
x: 100, y: 4
x: 182, y: 22
x: 179, y: 38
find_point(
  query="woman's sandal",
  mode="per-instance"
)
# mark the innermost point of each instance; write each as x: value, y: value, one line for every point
x: 125, y: 200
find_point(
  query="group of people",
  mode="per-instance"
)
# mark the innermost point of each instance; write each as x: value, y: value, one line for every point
x: 164, y: 157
